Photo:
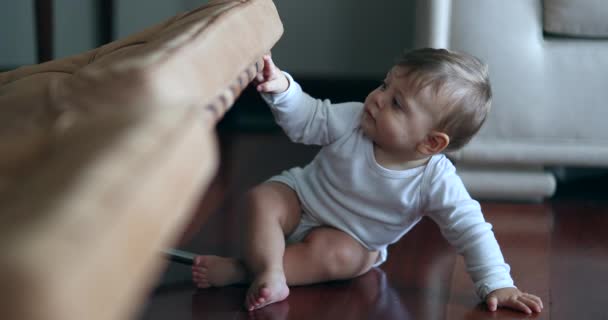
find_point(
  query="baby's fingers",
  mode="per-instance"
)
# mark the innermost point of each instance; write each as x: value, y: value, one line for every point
x: 516, y: 304
x: 535, y: 298
x: 269, y: 67
x: 268, y: 73
x: 259, y: 78
x: 492, y: 303
x: 531, y: 303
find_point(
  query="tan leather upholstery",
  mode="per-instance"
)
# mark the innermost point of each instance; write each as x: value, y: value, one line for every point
x: 103, y: 154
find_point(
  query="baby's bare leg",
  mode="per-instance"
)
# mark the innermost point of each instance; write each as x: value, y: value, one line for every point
x: 326, y: 254
x: 273, y: 211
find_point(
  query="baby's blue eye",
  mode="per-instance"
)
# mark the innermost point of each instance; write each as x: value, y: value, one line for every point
x: 396, y: 104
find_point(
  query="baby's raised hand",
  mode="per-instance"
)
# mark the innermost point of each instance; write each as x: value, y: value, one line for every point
x: 514, y: 299
x: 271, y: 79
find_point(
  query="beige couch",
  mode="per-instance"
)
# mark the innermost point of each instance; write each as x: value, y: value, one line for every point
x: 548, y: 62
x: 104, y: 154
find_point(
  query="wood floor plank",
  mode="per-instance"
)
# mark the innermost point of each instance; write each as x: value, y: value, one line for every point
x: 579, y: 261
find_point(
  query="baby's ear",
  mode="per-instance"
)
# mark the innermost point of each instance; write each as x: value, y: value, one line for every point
x: 433, y: 143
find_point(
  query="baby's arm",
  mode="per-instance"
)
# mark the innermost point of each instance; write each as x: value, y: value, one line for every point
x: 461, y: 222
x: 303, y: 118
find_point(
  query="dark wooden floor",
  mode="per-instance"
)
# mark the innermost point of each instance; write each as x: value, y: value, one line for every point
x: 557, y: 249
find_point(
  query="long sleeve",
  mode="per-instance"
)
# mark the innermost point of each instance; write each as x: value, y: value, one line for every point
x: 462, y: 223
x: 308, y: 120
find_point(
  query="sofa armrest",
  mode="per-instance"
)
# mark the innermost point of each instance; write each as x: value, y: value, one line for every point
x: 548, y: 105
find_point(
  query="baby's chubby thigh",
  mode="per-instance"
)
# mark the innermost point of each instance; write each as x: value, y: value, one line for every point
x: 272, y: 203
x: 336, y: 254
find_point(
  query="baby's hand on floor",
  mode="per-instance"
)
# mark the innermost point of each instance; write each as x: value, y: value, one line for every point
x: 514, y: 299
x: 271, y: 79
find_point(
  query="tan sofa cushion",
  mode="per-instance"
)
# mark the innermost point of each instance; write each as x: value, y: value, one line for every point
x: 189, y: 59
x: 103, y: 155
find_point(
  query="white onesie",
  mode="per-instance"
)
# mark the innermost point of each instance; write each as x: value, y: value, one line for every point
x: 345, y: 188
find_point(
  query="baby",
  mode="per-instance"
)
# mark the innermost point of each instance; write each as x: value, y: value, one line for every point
x: 379, y: 172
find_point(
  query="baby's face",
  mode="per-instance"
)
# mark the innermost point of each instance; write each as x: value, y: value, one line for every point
x: 395, y: 117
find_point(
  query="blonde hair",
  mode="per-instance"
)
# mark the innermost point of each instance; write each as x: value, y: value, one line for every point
x: 461, y: 81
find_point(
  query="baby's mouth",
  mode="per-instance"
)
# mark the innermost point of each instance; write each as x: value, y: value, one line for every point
x: 369, y: 113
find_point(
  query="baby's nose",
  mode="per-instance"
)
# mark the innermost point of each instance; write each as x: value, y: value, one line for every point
x: 380, y: 101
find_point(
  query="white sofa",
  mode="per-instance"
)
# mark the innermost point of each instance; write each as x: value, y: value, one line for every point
x: 549, y: 70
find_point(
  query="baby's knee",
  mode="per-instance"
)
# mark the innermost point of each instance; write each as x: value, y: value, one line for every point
x: 347, y: 261
x: 254, y: 196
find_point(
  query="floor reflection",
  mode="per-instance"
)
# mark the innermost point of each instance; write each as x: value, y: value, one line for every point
x: 369, y: 296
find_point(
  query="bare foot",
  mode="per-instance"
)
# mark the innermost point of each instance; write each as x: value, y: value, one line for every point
x: 268, y: 287
x: 215, y: 271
